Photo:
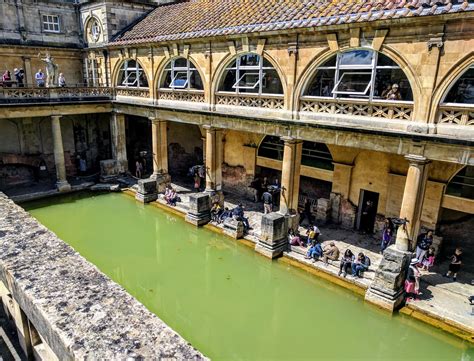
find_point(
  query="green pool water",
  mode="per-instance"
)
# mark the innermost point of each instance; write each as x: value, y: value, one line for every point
x: 228, y: 301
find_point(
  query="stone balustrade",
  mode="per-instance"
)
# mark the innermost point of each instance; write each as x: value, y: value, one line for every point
x: 133, y: 92
x: 33, y: 95
x: 196, y: 96
x: 360, y: 107
x: 456, y: 114
x: 266, y: 101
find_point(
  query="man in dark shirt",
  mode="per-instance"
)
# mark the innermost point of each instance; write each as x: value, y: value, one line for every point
x: 424, y: 241
x: 238, y: 212
x: 267, y: 199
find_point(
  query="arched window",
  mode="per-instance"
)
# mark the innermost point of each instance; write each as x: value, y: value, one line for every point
x: 251, y: 73
x: 180, y: 73
x: 463, y: 89
x: 314, y: 154
x: 362, y: 74
x: 132, y: 75
x: 462, y: 184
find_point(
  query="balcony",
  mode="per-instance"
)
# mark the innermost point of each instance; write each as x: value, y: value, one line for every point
x: 456, y: 114
x: 30, y: 95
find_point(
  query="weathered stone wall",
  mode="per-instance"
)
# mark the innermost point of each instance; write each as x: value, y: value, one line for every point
x: 76, y: 309
x: 184, y: 147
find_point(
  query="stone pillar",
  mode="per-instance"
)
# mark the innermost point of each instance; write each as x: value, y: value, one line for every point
x: 273, y: 238
x: 146, y: 191
x: 214, y: 156
x: 61, y: 181
x: 199, y: 212
x: 119, y: 141
x: 412, y: 203
x: 290, y: 175
x: 159, y: 132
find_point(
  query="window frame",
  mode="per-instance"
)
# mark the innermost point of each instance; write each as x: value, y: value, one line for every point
x: 48, y: 25
x: 175, y: 70
x: 369, y: 85
x: 450, y: 87
x: 137, y: 70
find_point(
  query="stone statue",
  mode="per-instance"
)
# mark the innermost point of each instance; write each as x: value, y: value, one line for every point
x: 51, y: 69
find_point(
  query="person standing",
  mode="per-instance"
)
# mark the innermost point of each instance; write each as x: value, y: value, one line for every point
x: 138, y: 169
x: 7, y: 79
x: 455, y: 265
x: 256, y: 185
x: 61, y: 80
x: 19, y: 76
x: 267, y: 199
x: 39, y: 77
x: 197, y: 183
x: 412, y: 283
x: 423, y: 244
x: 386, y: 239
x: 202, y: 174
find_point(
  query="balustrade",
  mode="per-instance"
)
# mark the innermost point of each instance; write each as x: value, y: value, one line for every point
x: 133, y: 92
x: 456, y: 114
x: 31, y: 95
x: 196, y: 96
x: 251, y: 100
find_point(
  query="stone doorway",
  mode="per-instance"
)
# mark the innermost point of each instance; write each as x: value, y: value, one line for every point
x: 367, y: 211
x: 139, y: 144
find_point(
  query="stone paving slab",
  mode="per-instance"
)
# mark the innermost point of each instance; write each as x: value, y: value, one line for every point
x: 79, y: 311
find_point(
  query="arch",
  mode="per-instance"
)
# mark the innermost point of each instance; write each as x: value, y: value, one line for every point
x: 229, y: 58
x: 314, y: 154
x: 326, y: 55
x: 139, y: 65
x: 163, y: 67
x: 462, y: 183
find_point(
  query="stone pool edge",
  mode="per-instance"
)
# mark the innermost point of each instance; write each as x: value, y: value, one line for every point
x: 65, y: 304
x: 411, y: 309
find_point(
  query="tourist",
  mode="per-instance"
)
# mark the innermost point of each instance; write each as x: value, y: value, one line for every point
x: 61, y: 80
x: 360, y: 265
x: 330, y: 252
x: 455, y: 265
x: 367, y: 217
x: 386, y: 239
x: 315, y: 251
x: 267, y: 199
x: 138, y: 169
x: 7, y: 79
x: 424, y: 242
x: 265, y: 184
x: 225, y: 214
x: 412, y: 282
x: 238, y: 213
x: 201, y: 171
x: 294, y: 238
x: 346, y: 262
x: 306, y: 212
x: 216, y: 212
x: 428, y: 262
x: 197, y: 183
x: 39, y: 77
x: 19, y: 76
x: 394, y: 93
x: 172, y: 197
x: 256, y: 185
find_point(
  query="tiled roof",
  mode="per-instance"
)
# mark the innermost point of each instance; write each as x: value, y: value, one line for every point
x: 207, y: 18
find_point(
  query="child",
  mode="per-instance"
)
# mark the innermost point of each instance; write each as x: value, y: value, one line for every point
x: 455, y: 265
x: 197, y: 183
x: 429, y: 259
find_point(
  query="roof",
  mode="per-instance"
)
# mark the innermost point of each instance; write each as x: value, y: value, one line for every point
x: 208, y: 18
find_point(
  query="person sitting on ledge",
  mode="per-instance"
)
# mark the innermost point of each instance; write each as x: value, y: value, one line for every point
x: 172, y: 197
x: 346, y: 262
x: 360, y: 265
x: 294, y: 238
x: 330, y: 252
x: 216, y: 212
x: 315, y: 251
x: 238, y: 213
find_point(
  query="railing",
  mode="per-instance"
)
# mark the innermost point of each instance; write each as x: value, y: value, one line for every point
x: 375, y: 108
x: 251, y: 100
x: 196, y: 96
x: 133, y: 92
x: 459, y: 114
x: 34, y: 95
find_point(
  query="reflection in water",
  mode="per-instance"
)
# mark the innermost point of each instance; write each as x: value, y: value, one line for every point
x: 229, y: 302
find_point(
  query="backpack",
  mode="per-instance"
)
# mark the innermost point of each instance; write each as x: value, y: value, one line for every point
x: 367, y: 261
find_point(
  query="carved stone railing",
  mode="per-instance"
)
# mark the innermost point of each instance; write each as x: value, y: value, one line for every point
x: 376, y: 108
x: 196, y: 96
x: 251, y: 100
x: 461, y: 114
x: 35, y: 95
x: 133, y: 92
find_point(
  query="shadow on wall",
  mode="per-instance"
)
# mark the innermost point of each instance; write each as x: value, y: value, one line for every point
x: 179, y: 161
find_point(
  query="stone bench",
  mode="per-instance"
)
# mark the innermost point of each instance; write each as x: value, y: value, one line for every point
x: 233, y: 228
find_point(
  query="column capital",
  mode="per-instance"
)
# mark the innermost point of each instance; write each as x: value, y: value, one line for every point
x: 416, y: 160
x: 56, y: 116
x: 211, y: 128
x: 290, y: 140
x: 156, y: 120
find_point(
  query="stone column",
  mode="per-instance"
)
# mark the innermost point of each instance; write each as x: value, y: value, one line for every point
x: 290, y: 175
x: 61, y: 181
x: 412, y: 203
x: 159, y: 130
x: 214, y: 157
x: 119, y: 141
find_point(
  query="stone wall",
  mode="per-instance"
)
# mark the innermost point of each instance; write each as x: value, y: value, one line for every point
x: 74, y: 308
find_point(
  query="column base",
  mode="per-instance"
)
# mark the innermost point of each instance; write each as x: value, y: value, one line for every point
x: 199, y: 210
x: 146, y: 191
x: 273, y: 250
x: 63, y: 186
x: 386, y: 290
x: 273, y: 239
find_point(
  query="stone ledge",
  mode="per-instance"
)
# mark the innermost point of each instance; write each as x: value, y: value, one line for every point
x: 79, y: 311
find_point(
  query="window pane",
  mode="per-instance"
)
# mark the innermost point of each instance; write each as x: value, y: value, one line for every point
x: 143, y: 80
x: 322, y: 84
x: 271, y: 83
x: 166, y: 79
x: 384, y: 60
x: 248, y: 82
x: 180, y: 80
x: 271, y: 147
x: 351, y: 82
x: 249, y: 60
x: 392, y: 84
x: 180, y: 63
x: 356, y: 57
x: 330, y: 62
x: 463, y: 90
x: 316, y: 155
x: 195, y: 81
x: 228, y: 81
x: 462, y: 185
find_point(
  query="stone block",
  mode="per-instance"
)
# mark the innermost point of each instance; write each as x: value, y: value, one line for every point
x: 273, y: 238
x: 234, y: 228
x: 335, y: 204
x: 109, y: 170
x: 386, y: 290
x: 162, y: 180
x: 323, y: 210
x: 199, y: 212
x: 146, y: 191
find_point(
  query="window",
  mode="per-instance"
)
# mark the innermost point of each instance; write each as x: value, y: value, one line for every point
x: 51, y: 23
x: 95, y: 31
x: 180, y: 73
x: 463, y: 89
x: 361, y: 74
x: 132, y: 75
x: 251, y: 73
x: 462, y: 184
